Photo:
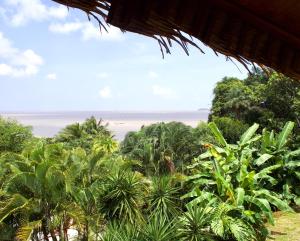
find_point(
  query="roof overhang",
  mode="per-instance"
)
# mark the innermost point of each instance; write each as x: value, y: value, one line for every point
x: 252, y: 31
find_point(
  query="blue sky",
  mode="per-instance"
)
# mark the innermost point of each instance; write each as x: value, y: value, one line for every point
x: 52, y: 59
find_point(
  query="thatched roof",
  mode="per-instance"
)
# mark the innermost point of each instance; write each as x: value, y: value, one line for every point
x: 255, y: 31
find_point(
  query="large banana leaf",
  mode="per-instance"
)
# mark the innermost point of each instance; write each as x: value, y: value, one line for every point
x: 240, y: 194
x: 217, y: 133
x: 248, y: 134
x: 262, y: 159
x: 263, y: 204
x: 284, y: 134
x: 280, y: 204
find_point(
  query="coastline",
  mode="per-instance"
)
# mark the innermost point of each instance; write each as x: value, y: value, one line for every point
x: 47, y: 124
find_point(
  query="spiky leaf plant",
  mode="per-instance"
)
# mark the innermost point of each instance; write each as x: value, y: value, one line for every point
x: 159, y: 228
x: 126, y: 232
x: 164, y: 197
x: 123, y: 196
x: 195, y: 224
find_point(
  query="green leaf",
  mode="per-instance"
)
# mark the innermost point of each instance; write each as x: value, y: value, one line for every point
x: 284, y: 134
x: 240, y: 194
x: 297, y: 174
x: 248, y: 134
x: 294, y: 153
x: 204, y: 196
x: 263, y: 205
x: 297, y: 201
x: 25, y: 232
x: 217, y: 133
x: 198, y: 176
x: 12, y: 205
x: 205, y: 155
x: 282, y: 205
x: 293, y: 164
x: 194, y: 193
x: 263, y: 174
x: 262, y: 159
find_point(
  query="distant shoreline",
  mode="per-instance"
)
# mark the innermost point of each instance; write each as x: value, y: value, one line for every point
x: 47, y: 124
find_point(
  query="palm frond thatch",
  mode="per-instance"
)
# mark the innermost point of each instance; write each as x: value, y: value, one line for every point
x: 261, y: 32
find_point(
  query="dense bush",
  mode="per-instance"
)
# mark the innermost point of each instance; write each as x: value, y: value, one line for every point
x: 83, y: 135
x: 162, y: 147
x: 13, y: 136
x: 253, y: 178
x: 203, y: 134
x: 231, y: 129
x: 268, y: 100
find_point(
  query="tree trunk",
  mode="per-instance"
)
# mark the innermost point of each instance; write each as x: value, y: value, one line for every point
x: 44, y: 229
x: 61, y: 232
x: 169, y: 164
x: 86, y: 232
x: 53, y: 236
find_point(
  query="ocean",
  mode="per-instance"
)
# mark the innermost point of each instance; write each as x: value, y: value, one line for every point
x: 48, y: 124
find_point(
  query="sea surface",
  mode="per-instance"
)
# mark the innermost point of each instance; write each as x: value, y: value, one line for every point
x: 48, y: 124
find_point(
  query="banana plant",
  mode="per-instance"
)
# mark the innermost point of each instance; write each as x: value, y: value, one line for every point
x: 274, y: 150
x: 228, y: 173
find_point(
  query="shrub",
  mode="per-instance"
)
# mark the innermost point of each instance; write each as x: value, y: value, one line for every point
x: 13, y: 135
x: 162, y: 147
x: 231, y: 129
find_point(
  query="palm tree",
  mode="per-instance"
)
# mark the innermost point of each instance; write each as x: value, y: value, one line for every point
x: 37, y: 190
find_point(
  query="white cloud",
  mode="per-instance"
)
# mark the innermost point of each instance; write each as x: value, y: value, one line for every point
x: 51, y: 76
x: 5, y: 69
x: 65, y: 28
x: 105, y: 92
x: 88, y: 31
x: 103, y: 75
x: 152, y: 75
x: 17, y: 63
x: 20, y: 12
x: 163, y: 92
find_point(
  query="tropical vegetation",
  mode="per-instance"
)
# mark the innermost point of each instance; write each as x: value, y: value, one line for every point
x: 221, y: 180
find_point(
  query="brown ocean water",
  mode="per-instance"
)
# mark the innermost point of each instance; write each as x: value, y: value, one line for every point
x: 47, y: 124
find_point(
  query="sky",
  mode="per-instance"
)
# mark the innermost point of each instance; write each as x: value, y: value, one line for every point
x: 54, y: 59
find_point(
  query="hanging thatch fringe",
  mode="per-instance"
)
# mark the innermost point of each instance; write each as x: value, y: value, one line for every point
x: 261, y: 32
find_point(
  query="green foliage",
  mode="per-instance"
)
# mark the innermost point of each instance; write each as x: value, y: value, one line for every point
x: 84, y: 183
x: 13, y: 136
x: 159, y: 228
x: 194, y: 225
x: 247, y: 176
x: 163, y: 147
x: 231, y: 129
x: 270, y: 101
x: 232, y: 98
x: 164, y: 198
x: 50, y: 188
x: 275, y: 151
x: 123, y: 196
x: 204, y: 134
x: 83, y: 135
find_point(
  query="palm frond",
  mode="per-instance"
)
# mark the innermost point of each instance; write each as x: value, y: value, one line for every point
x: 25, y: 231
